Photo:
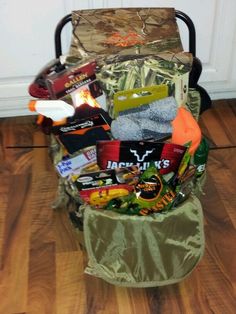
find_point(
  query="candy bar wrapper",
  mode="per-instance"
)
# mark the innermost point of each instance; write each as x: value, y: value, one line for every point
x: 98, y: 188
x: 166, y: 156
x: 85, y: 161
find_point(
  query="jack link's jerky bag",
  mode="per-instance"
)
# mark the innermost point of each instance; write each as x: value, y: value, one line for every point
x: 151, y: 195
x: 114, y: 154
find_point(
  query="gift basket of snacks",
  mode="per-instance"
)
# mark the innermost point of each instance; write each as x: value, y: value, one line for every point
x: 127, y: 147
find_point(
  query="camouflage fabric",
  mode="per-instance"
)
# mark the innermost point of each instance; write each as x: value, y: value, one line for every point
x: 194, y: 102
x: 118, y: 73
x: 133, y: 47
x: 124, y: 31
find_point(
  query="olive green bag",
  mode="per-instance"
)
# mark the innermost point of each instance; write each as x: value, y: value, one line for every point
x: 144, y: 251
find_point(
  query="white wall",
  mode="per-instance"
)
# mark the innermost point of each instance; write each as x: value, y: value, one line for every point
x: 27, y: 42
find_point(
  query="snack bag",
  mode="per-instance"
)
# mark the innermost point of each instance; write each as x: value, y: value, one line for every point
x: 113, y: 154
x: 151, y: 195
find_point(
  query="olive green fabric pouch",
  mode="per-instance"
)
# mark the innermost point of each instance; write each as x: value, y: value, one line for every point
x: 147, y: 251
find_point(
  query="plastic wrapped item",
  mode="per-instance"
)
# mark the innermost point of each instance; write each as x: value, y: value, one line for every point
x: 98, y: 188
x: 84, y: 161
x: 151, y: 194
x: 82, y: 133
x: 201, y: 156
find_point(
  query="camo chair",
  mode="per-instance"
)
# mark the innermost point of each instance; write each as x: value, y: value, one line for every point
x: 134, y: 251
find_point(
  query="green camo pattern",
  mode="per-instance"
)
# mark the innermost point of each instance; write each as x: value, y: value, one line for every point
x: 127, y: 72
x: 194, y: 102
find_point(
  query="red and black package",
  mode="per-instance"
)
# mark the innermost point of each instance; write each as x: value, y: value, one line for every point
x: 114, y: 154
x: 67, y: 81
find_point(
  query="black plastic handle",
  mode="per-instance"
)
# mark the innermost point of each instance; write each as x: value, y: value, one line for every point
x: 57, y: 36
x: 191, y: 29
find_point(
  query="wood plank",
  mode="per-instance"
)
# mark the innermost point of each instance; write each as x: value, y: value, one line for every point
x: 41, y: 158
x: 71, y: 291
x: 138, y: 300
x: 17, y: 131
x: 15, y: 161
x: 167, y: 299
x: 4, y: 192
x: 66, y: 238
x: 228, y: 121
x: 42, y: 279
x: 15, y: 256
x: 212, y: 282
x: 213, y: 126
x: 100, y: 296
x: 222, y: 164
x: 42, y: 223
x: 123, y: 300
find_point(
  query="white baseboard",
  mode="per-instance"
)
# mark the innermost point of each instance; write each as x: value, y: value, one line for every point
x: 14, y: 106
x: 222, y: 95
x: 17, y: 106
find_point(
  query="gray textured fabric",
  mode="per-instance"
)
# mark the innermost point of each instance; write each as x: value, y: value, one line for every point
x: 160, y: 110
x: 125, y: 128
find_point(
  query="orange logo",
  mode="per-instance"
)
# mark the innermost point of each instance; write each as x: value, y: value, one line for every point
x: 130, y: 39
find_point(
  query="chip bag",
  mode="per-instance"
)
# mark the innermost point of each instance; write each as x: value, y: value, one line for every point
x: 151, y: 194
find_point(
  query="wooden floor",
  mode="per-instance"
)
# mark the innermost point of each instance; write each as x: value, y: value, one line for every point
x: 41, y: 263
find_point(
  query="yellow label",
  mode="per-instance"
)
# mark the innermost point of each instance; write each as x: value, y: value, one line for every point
x: 132, y: 98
